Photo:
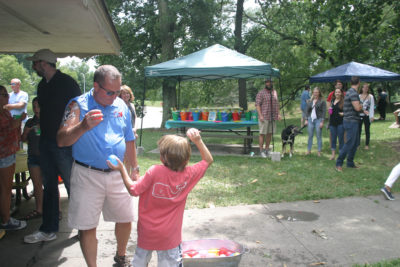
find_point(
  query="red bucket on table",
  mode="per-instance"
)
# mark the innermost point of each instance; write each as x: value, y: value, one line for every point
x: 189, y: 116
x: 204, y: 115
x: 236, y: 116
x: 183, y: 116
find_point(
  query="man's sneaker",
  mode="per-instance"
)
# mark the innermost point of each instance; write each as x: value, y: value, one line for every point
x: 263, y: 154
x: 387, y: 193
x: 39, y: 236
x: 13, y: 224
x: 122, y: 261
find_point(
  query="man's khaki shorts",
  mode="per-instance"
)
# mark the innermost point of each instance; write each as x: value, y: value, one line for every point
x: 266, y: 126
x: 93, y: 192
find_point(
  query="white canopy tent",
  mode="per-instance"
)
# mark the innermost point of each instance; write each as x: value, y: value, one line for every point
x: 67, y: 27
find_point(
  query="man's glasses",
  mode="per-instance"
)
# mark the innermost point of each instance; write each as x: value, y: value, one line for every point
x: 13, y: 84
x: 108, y: 92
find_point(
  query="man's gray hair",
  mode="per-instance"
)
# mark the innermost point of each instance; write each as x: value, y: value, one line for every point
x: 106, y: 71
x: 17, y: 80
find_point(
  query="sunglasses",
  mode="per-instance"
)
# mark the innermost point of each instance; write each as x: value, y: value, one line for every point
x: 108, y: 92
x: 5, y: 95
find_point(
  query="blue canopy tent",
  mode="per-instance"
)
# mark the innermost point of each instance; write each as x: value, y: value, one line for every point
x: 214, y: 62
x: 344, y: 73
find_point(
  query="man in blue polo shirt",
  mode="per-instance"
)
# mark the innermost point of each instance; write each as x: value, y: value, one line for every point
x: 98, y: 124
x: 351, y: 119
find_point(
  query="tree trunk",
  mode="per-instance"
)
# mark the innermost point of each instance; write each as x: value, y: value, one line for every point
x: 242, y: 93
x: 240, y: 48
x: 167, y: 25
x: 169, y: 99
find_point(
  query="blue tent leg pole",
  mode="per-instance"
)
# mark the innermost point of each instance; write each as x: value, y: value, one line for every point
x: 283, y: 109
x: 179, y: 93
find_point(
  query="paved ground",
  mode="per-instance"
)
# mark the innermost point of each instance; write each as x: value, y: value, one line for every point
x: 152, y: 118
x: 337, y: 232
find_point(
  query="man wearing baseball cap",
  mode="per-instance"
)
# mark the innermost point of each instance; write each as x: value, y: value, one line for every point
x: 54, y: 92
x: 45, y: 55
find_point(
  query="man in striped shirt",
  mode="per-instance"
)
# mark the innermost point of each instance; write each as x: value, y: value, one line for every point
x: 351, y: 119
x: 268, y: 113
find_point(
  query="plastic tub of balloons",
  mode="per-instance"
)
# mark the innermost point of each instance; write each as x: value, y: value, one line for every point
x: 211, y: 253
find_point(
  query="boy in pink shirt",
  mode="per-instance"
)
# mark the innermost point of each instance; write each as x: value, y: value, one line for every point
x: 162, y: 195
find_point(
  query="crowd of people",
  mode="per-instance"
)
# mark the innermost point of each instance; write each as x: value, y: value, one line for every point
x: 335, y: 104
x: 348, y: 112
x: 73, y: 135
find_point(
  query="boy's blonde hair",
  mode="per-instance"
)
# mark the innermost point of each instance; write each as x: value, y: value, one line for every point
x: 175, y: 151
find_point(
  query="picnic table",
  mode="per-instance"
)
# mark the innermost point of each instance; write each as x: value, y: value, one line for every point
x: 219, y: 129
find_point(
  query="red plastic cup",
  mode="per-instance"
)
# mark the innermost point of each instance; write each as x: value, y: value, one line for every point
x: 96, y: 113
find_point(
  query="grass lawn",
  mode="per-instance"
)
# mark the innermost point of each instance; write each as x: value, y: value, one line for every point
x: 235, y: 180
x: 390, y: 263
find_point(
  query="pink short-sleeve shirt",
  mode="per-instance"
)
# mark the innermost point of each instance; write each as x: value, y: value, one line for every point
x: 163, y: 194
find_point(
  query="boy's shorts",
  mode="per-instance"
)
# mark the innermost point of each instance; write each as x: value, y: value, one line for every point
x: 166, y: 258
x: 266, y: 126
x: 93, y: 192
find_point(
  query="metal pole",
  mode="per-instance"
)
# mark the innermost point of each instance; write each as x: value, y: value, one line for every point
x: 283, y: 109
x: 84, y: 83
x: 272, y: 117
x: 179, y: 94
x: 142, y: 115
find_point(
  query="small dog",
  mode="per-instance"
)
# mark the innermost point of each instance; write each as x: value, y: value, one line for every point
x: 288, y: 134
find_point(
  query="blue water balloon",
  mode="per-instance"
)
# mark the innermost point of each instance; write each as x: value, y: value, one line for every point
x: 113, y: 159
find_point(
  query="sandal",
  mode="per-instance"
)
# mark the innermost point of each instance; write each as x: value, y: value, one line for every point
x: 32, y: 215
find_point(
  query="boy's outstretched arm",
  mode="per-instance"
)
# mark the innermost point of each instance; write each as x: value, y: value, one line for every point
x: 125, y: 176
x: 194, y: 136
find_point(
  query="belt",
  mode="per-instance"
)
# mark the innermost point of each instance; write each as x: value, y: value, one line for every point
x: 92, y: 168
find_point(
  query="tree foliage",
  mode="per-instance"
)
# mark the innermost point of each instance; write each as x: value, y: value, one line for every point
x: 10, y: 68
x: 301, y: 38
x: 151, y: 35
x: 80, y: 72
